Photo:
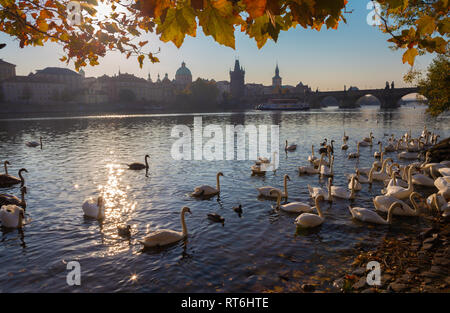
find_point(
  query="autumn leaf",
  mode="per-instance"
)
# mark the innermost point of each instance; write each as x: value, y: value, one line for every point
x: 217, y: 20
x: 177, y: 24
x: 141, y: 60
x: 410, y: 55
x: 426, y: 25
x: 255, y: 8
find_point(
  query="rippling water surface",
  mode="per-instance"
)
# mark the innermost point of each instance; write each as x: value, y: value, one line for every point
x: 85, y: 156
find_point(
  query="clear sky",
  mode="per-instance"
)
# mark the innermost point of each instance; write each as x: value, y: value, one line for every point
x: 354, y: 55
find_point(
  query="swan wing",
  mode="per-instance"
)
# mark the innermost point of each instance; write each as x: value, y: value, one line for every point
x: 366, y: 215
x: 265, y: 191
x: 90, y: 208
x: 308, y: 220
x: 204, y: 190
x: 296, y: 207
x: 161, y: 238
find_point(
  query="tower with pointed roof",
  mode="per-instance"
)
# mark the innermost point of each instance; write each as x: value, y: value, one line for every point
x: 276, y: 80
x: 237, y: 81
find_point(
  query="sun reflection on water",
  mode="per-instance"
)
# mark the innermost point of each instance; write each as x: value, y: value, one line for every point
x: 119, y: 210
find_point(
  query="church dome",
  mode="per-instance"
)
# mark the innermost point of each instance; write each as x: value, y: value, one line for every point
x: 183, y: 71
x: 183, y: 76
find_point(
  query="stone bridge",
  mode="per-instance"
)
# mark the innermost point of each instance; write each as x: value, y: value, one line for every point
x: 388, y: 97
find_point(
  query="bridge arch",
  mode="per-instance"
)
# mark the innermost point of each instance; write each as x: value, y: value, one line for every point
x: 329, y: 101
x: 368, y: 99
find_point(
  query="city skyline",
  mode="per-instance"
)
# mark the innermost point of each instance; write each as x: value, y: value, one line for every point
x: 354, y: 55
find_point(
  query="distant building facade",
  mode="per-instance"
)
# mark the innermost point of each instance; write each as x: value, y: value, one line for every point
x: 7, y: 70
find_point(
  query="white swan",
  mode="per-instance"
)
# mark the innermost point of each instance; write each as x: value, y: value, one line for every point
x: 354, y: 155
x: 327, y: 171
x: 317, y: 163
x: 312, y: 157
x: 33, y: 144
x: 292, y: 147
x: 164, y: 237
x: 292, y: 207
x: 94, y: 209
x: 343, y: 193
x: 310, y: 170
x: 382, y: 203
x: 317, y: 191
x: 377, y: 154
x: 408, y: 155
x: 344, y: 145
x: 423, y: 180
x: 11, y: 216
x: 369, y: 216
x: 443, y: 184
x: 208, y: 191
x: 380, y: 175
x: 400, y: 192
x: 309, y: 220
x: 355, y: 184
x: 266, y: 190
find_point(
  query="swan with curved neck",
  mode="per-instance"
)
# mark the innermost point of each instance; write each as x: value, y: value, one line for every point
x: 312, y: 157
x: 163, y: 237
x: 380, y: 175
x: 354, y: 155
x: 266, y: 190
x: 316, y: 191
x: 33, y: 144
x: 6, y: 199
x: 292, y: 147
x: 94, y: 208
x: 139, y: 166
x: 292, y: 207
x: 344, y: 145
x: 369, y: 216
x: 382, y: 204
x: 12, y: 216
x: 400, y: 192
x: 311, y: 170
x: 378, y: 153
x: 309, y: 220
x: 9, y: 180
x: 206, y: 190
x: 343, y: 193
x: 327, y: 171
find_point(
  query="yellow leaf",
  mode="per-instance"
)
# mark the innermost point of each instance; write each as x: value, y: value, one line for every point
x: 410, y: 55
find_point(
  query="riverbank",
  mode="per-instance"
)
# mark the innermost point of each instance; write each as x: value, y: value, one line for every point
x: 416, y: 262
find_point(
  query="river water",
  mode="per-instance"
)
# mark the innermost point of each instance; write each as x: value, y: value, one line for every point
x: 260, y: 251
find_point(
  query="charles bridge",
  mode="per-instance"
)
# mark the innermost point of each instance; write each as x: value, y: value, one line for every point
x: 388, y: 97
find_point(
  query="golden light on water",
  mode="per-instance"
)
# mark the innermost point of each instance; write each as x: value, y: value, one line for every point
x: 118, y: 209
x: 134, y: 278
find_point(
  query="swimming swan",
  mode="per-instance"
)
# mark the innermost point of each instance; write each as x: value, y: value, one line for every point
x: 292, y: 207
x: 207, y: 191
x: 164, y: 237
x: 369, y: 216
x: 309, y: 220
x: 139, y: 166
x: 94, y: 209
x: 266, y: 190
x: 11, y: 216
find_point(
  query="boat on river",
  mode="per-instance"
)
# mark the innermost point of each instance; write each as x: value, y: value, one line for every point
x: 283, y: 104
